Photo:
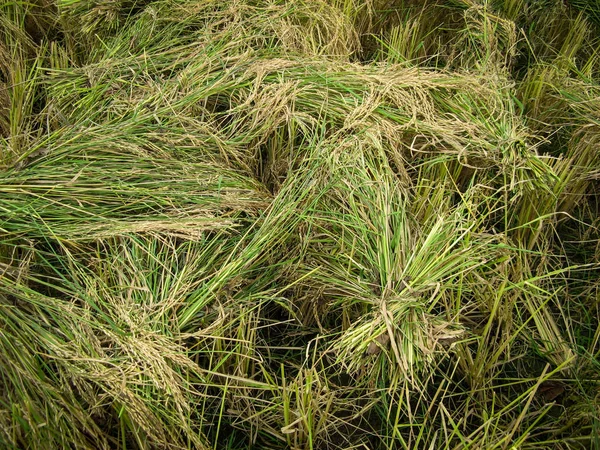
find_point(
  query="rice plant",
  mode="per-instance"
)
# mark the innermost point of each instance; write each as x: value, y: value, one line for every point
x: 312, y: 225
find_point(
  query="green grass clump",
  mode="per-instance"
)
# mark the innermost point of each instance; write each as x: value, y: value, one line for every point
x: 322, y: 224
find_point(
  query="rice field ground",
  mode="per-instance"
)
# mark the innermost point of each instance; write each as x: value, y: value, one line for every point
x: 309, y: 224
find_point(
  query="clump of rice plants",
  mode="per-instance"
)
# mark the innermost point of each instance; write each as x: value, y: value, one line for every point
x: 322, y: 224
